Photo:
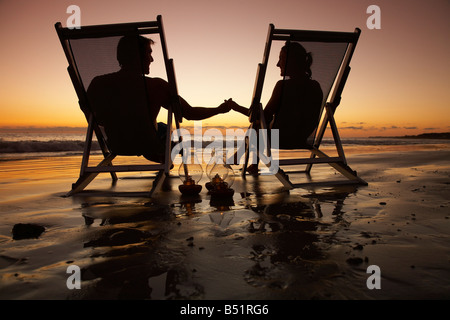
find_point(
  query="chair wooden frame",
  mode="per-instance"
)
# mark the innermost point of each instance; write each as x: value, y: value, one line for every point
x: 316, y: 156
x: 89, y: 173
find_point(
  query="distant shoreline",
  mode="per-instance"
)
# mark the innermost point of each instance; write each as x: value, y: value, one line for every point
x: 82, y: 130
x: 442, y: 135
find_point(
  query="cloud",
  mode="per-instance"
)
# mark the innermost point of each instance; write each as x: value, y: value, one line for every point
x: 353, y: 128
x: 388, y: 128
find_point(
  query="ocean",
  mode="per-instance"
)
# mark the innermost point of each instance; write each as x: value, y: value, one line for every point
x: 37, y: 142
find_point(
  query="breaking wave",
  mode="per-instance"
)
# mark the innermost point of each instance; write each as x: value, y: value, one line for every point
x: 35, y: 146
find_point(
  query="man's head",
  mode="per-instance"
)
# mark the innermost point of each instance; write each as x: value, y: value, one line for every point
x: 135, y: 49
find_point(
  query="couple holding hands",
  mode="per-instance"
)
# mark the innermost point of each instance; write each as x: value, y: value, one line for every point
x: 296, y: 93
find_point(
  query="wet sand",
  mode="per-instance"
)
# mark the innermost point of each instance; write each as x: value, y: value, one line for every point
x: 267, y: 244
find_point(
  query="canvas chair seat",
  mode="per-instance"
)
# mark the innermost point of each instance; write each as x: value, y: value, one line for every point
x: 294, y: 124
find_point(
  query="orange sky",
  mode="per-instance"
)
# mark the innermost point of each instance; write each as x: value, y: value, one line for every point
x: 398, y: 84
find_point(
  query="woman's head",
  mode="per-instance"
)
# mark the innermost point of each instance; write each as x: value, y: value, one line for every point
x: 295, y: 61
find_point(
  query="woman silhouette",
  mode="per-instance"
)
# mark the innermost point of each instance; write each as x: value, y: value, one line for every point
x: 296, y: 100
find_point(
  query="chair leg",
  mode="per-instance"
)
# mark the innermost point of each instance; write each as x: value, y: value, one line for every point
x: 87, y: 178
x: 158, y: 182
x: 284, y: 179
x: 103, y: 146
x: 246, y: 157
x: 343, y: 168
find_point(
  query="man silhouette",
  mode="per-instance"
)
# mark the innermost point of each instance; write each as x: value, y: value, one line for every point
x: 127, y: 102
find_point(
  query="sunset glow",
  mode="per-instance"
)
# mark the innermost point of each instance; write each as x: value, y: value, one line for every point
x: 398, y: 84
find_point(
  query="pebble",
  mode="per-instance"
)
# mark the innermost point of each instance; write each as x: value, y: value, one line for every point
x: 355, y: 261
x: 27, y: 231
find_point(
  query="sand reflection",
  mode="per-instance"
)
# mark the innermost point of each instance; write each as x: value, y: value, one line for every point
x: 200, y: 247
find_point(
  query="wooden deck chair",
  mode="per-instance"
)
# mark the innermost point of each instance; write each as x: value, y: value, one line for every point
x: 332, y: 53
x: 118, y: 115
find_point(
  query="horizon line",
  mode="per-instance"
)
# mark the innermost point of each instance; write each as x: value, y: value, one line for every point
x: 222, y: 127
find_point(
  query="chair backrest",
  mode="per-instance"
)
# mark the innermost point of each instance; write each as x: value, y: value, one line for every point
x: 331, y: 54
x: 117, y: 99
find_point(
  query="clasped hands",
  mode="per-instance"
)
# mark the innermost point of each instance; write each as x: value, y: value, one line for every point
x: 228, y: 105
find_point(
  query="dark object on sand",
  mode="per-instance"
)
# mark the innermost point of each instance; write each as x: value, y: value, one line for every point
x: 27, y: 231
